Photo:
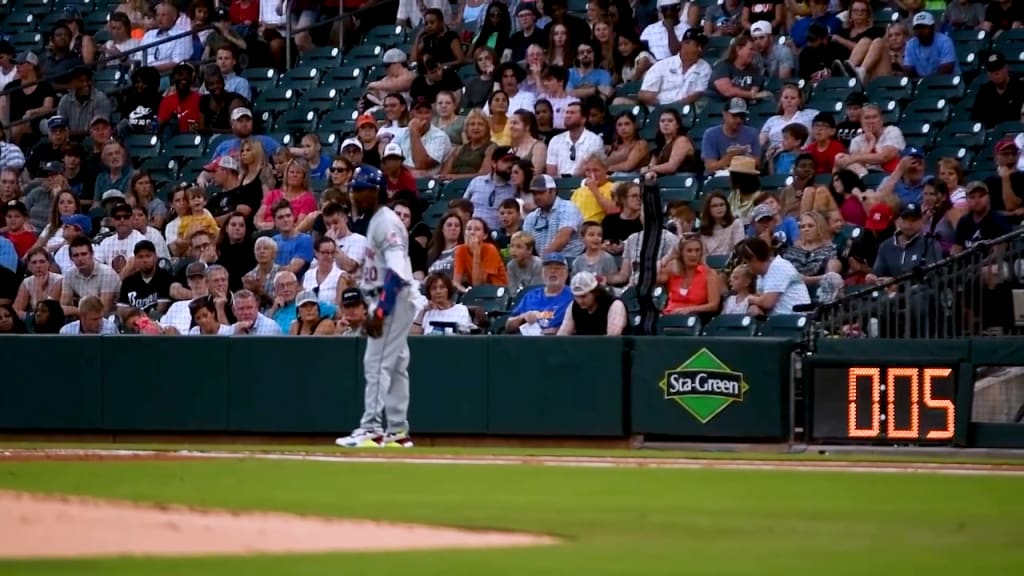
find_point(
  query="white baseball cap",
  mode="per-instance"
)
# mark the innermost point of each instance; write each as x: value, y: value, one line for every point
x: 228, y: 163
x: 394, y: 56
x: 240, y: 112
x: 351, y: 142
x: 923, y: 19
x: 761, y: 28
x: 583, y: 283
x: 664, y: 3
x: 393, y: 149
x: 542, y: 182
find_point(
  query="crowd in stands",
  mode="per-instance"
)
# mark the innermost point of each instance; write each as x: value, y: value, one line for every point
x: 165, y: 169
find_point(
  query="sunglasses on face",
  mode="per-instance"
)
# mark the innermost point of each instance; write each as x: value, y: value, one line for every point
x: 338, y: 169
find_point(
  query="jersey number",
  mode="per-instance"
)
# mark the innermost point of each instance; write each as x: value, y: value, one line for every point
x: 371, y: 273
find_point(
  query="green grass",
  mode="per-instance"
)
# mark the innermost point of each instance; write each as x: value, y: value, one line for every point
x: 613, y: 521
x: 769, y: 452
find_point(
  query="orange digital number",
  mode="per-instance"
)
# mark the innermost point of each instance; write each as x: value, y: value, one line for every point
x: 876, y: 417
x: 915, y: 410
x: 945, y: 405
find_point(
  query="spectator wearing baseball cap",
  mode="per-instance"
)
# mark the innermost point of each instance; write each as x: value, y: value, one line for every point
x: 683, y: 78
x: 1001, y: 98
x: 1006, y: 187
x: 778, y: 60
x: 29, y: 74
x: 487, y: 192
x: 82, y: 102
x: 242, y: 128
x: 397, y: 79
x: 115, y: 250
x: 145, y: 285
x: 397, y: 176
x: 907, y: 182
x: 353, y: 313
x: 49, y: 150
x: 424, y: 146
x: 555, y: 223
x: 908, y: 248
x: 73, y: 226
x: 880, y: 221
x: 178, y: 315
x: 729, y: 139
x: 542, y: 309
x: 929, y: 52
x: 310, y: 319
x: 16, y: 224
x: 594, y: 311
x: 982, y: 222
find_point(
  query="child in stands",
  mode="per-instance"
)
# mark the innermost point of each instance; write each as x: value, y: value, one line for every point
x: 741, y: 283
x: 781, y: 160
x: 524, y: 268
x: 594, y: 259
x: 824, y: 146
x: 198, y: 218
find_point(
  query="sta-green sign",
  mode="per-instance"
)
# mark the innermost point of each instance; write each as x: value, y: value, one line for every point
x: 704, y: 385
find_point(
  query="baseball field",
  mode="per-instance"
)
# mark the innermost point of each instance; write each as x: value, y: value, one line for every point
x: 573, y: 513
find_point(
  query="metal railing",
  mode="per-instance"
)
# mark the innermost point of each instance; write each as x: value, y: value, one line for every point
x: 969, y: 294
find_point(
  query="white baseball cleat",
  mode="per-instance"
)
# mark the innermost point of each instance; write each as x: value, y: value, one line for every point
x: 360, y: 438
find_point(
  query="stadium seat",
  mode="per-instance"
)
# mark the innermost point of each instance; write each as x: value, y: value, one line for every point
x: 329, y: 141
x: 684, y: 187
x: 731, y: 325
x: 1009, y: 41
x: 96, y: 20
x: 322, y: 98
x: 426, y: 188
x: 275, y: 100
x: 23, y: 41
x: 491, y: 299
x: 679, y: 325
x: 716, y: 184
x: 874, y: 179
x: 260, y: 79
x: 143, y: 146
x: 322, y: 57
x: 521, y: 293
x: 109, y: 80
x: 453, y: 189
x: 191, y: 170
x: 890, y: 88
x: 965, y: 134
x: 717, y: 261
x: 917, y: 131
x: 775, y: 182
x: 1004, y: 129
x: 948, y: 86
x: 836, y: 86
x: 432, y: 215
x: 297, y: 120
x: 935, y: 109
x: 344, y: 78
x: 959, y: 153
x: 185, y: 146
x: 831, y: 102
x: 161, y: 168
x: 388, y: 36
x: 970, y: 35
x: 685, y: 112
x: 301, y: 78
x: 791, y: 326
x: 564, y: 187
x: 628, y: 89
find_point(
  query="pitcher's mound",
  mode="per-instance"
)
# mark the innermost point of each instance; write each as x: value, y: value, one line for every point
x: 60, y: 526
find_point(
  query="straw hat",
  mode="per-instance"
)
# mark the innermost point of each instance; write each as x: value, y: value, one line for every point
x: 744, y: 165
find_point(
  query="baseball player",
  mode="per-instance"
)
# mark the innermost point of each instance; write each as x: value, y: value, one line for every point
x: 387, y: 275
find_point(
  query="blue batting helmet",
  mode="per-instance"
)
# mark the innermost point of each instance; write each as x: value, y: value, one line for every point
x: 366, y: 177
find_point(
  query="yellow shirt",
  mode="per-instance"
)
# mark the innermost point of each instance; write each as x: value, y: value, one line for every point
x: 503, y: 138
x: 587, y: 204
x: 190, y: 224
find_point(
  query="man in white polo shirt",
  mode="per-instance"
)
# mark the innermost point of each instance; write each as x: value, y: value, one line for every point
x: 568, y: 150
x: 681, y: 79
x: 663, y: 36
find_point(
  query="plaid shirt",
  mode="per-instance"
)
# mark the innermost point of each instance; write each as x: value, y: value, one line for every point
x: 544, y: 225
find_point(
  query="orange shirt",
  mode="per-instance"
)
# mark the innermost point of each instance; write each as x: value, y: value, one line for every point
x: 490, y: 260
x: 695, y: 294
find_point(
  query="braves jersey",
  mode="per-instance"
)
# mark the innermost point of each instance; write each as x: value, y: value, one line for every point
x: 385, y: 235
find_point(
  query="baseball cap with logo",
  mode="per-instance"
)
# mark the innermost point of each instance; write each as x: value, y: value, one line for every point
x: 351, y: 142
x: 583, y: 283
x: 56, y: 122
x: 364, y: 120
x: 144, y: 246
x: 879, y: 217
x: 229, y: 163
x: 351, y: 297
x: 393, y: 149
x: 694, y: 35
x: 542, y: 182
x: 995, y: 62
x: 240, y: 112
x: 976, y: 186
x: 737, y: 106
x: 16, y: 206
x: 911, y: 210
x: 54, y: 167
x: 912, y: 151
x: 80, y: 220
x: 98, y: 119
x: 760, y: 212
x: 395, y: 56
x: 761, y: 28
x: 554, y: 258
x: 923, y: 19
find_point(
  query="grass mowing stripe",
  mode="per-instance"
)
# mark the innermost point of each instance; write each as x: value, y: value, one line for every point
x: 615, y: 520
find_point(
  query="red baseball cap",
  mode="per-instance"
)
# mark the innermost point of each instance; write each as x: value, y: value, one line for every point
x: 1007, y: 144
x: 879, y: 217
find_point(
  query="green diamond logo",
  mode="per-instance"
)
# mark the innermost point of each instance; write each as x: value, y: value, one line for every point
x: 704, y: 385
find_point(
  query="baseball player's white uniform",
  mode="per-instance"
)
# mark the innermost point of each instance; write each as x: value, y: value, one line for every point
x: 386, y: 362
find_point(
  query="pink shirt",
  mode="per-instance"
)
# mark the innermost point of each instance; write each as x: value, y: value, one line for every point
x: 303, y: 205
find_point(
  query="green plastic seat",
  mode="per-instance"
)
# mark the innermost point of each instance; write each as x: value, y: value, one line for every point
x: 731, y: 325
x: 679, y: 325
x: 492, y: 299
x: 791, y: 326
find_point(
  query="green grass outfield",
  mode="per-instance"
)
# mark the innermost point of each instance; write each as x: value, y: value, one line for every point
x: 613, y: 521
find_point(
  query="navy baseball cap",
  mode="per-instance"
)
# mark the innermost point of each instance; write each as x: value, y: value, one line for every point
x: 351, y: 297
